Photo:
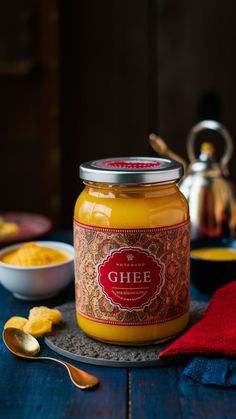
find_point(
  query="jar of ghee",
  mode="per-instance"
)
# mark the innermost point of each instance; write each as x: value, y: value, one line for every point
x: 132, y: 250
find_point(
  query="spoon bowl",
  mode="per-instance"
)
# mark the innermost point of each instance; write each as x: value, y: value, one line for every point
x: 24, y: 345
x: 20, y: 343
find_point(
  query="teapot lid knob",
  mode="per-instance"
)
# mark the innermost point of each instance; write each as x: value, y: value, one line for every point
x: 212, y: 126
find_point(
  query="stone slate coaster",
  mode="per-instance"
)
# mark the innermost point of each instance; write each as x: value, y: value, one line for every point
x: 69, y: 340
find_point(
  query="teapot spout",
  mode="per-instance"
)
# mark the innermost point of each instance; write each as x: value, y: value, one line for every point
x: 160, y: 147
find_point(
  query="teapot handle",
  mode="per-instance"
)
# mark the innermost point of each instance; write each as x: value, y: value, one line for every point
x: 213, y: 126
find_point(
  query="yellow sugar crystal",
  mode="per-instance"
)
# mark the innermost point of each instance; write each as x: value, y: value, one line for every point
x: 16, y: 321
x: 42, y: 312
x: 38, y: 327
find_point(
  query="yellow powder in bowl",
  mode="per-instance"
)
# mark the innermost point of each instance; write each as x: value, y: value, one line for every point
x: 31, y: 254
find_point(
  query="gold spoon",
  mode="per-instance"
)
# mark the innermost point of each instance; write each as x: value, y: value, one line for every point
x: 24, y: 345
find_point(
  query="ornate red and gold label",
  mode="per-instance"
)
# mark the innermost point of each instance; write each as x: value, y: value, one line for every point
x: 132, y: 276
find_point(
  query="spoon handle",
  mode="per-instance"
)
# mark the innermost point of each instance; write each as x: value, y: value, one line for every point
x: 79, y: 378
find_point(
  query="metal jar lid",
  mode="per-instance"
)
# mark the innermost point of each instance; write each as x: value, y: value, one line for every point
x: 131, y: 170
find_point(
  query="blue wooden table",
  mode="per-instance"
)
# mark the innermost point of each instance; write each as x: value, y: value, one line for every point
x: 42, y: 390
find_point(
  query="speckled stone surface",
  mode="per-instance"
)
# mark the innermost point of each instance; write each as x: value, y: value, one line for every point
x: 70, y: 341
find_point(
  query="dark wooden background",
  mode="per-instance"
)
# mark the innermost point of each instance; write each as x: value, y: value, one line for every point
x: 83, y: 80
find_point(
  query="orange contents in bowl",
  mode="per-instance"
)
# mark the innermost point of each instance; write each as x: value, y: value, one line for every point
x: 215, y: 253
x: 31, y: 254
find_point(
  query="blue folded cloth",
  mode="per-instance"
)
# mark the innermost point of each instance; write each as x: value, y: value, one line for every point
x: 212, y: 371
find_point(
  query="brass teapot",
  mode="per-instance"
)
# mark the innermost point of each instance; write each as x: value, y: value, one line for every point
x: 206, y: 184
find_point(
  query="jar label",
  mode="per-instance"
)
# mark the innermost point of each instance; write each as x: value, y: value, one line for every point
x: 132, y: 276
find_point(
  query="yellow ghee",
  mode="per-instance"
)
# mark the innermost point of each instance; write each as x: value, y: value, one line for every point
x: 31, y: 254
x: 214, y: 253
x: 106, y: 216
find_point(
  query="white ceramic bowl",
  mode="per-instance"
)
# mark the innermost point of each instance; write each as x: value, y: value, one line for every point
x: 37, y: 282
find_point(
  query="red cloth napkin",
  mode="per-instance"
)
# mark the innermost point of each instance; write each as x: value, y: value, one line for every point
x: 215, y: 334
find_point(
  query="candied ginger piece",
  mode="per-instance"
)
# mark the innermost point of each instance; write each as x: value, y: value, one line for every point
x: 43, y: 312
x: 7, y: 228
x: 16, y: 321
x: 38, y: 327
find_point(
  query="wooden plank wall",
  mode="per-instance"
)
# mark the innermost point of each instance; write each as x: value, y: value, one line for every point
x: 196, y: 67
x: 29, y: 107
x: 104, y: 85
x: 98, y: 77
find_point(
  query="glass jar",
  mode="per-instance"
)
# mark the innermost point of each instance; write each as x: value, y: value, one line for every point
x: 132, y: 250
